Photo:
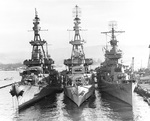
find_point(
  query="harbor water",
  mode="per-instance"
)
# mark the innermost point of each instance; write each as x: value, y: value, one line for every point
x: 57, y: 107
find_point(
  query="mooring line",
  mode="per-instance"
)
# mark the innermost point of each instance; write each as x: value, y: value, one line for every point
x: 6, y: 85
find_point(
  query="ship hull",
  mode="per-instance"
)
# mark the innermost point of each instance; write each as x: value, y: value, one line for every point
x: 32, y: 94
x: 79, y: 94
x: 122, y: 91
x: 27, y: 94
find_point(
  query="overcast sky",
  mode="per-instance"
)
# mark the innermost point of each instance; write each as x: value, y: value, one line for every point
x: 132, y: 16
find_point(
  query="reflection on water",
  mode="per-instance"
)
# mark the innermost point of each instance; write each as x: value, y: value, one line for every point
x: 76, y: 113
x: 141, y: 110
x: 41, y: 110
x: 116, y: 109
x: 100, y: 106
x: 58, y: 107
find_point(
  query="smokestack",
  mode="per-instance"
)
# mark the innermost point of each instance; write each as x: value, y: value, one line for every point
x: 148, y: 66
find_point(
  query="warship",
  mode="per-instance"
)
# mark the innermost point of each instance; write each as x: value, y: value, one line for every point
x: 113, y: 77
x: 78, y: 80
x: 39, y: 75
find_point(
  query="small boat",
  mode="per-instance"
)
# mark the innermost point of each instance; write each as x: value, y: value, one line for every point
x: 8, y: 78
x: 39, y: 74
x: 78, y: 80
x: 113, y: 77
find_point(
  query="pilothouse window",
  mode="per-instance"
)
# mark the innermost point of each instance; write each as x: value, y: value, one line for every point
x: 78, y: 70
x: 117, y: 69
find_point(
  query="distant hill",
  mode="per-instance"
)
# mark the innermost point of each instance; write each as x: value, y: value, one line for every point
x: 13, y: 60
x: 139, y: 52
x: 94, y: 52
x: 10, y: 67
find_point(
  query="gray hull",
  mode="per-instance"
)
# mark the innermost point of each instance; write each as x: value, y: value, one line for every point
x: 123, y: 91
x: 32, y: 94
x: 79, y: 94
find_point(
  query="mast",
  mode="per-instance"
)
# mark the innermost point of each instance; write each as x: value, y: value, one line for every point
x: 114, y: 54
x: 37, y: 43
x: 113, y: 41
x: 77, y: 54
x: 38, y: 56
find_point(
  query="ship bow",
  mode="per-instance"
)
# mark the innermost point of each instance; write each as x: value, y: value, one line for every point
x: 79, y: 94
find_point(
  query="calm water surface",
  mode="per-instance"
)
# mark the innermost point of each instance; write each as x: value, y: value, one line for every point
x: 57, y: 107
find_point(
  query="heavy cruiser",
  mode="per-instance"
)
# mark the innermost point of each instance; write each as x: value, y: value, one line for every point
x: 78, y: 80
x: 38, y: 75
x: 113, y: 77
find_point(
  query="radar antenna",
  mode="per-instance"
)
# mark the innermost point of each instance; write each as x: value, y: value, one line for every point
x: 77, y: 54
x: 113, y: 25
x: 77, y: 12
